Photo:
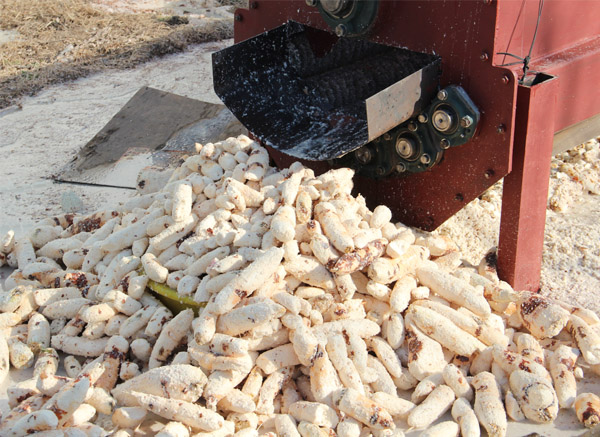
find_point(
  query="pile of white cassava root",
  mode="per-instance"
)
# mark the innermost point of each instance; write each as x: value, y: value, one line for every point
x: 319, y: 314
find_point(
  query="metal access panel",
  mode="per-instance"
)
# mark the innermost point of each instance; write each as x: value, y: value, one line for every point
x: 462, y: 34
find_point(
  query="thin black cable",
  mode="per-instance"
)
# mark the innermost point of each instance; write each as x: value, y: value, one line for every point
x: 512, y: 34
x: 526, y: 60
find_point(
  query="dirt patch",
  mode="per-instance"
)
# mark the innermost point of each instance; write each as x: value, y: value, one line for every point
x: 233, y: 3
x: 60, y: 40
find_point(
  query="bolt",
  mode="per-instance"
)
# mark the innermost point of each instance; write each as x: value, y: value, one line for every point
x: 466, y: 121
x: 311, y: 3
x: 380, y: 171
x: 459, y: 197
x: 488, y: 174
x: 253, y: 5
x: 412, y: 126
x: 341, y: 30
x: 501, y: 129
x: 487, y: 2
x: 238, y: 17
x: 425, y: 159
x: 400, y: 167
x: 505, y: 79
x: 484, y: 56
x: 442, y: 95
x: 387, y: 136
x: 422, y: 118
x: 363, y: 155
x: 444, y: 143
x: 335, y: 7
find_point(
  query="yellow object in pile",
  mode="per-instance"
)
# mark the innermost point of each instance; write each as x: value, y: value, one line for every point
x: 171, y: 299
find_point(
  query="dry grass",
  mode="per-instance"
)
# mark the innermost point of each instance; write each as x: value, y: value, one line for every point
x: 65, y: 39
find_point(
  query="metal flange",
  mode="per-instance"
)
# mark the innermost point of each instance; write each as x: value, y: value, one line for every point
x: 348, y: 17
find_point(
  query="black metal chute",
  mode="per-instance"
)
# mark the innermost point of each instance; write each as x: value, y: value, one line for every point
x: 305, y: 93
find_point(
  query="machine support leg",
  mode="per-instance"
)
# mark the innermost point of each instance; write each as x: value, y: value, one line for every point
x: 525, y: 192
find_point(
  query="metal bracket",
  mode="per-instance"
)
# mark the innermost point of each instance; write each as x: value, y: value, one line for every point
x: 452, y: 117
x: 419, y: 143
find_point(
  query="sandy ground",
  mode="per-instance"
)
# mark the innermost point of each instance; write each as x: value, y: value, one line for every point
x: 191, y: 7
x: 39, y: 138
x: 571, y: 258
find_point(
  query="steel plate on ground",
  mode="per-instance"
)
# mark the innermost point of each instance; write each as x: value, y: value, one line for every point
x: 154, y: 128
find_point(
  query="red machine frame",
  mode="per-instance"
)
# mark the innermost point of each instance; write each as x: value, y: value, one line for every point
x: 468, y: 35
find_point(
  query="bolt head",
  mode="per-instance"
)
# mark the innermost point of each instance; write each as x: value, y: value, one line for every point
x: 425, y: 159
x: 380, y: 171
x: 311, y: 3
x: 341, y: 30
x: 505, y: 79
x: 442, y: 94
x: 466, y: 121
x: 363, y: 155
x: 334, y: 7
x: 422, y: 118
x: 401, y: 167
x: 501, y: 129
x: 484, y: 56
x: 412, y: 126
x: 444, y: 143
x: 387, y: 136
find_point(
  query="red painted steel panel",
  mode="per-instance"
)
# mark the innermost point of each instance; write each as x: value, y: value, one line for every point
x: 578, y: 95
x: 563, y: 24
x: 567, y: 45
x: 461, y: 32
x: 525, y: 190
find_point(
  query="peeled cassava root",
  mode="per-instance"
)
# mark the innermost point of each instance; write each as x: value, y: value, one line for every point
x: 318, y: 314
